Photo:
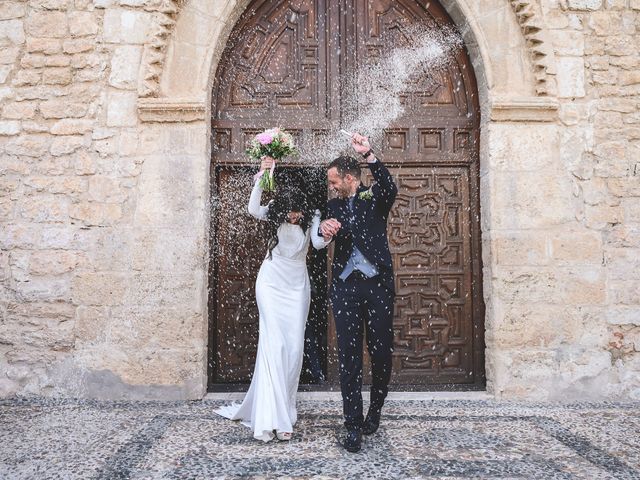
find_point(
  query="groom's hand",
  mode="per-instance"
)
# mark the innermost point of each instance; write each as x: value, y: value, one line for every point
x: 329, y: 228
x: 360, y: 143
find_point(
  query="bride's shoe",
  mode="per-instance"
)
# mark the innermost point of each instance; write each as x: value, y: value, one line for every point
x: 284, y: 436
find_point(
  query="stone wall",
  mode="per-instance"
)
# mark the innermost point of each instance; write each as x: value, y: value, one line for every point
x: 103, y: 239
x: 564, y: 320
x: 104, y: 212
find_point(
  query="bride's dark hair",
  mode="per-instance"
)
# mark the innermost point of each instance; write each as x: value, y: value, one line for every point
x: 288, y: 199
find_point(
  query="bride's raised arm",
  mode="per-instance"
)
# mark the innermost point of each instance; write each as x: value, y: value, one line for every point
x: 254, y: 207
x: 317, y: 240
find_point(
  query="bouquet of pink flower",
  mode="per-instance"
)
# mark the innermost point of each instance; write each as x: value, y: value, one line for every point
x: 274, y: 143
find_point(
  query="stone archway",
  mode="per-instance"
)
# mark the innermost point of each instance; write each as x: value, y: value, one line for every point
x: 516, y: 81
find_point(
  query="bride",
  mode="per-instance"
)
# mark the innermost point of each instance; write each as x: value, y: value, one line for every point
x: 283, y: 297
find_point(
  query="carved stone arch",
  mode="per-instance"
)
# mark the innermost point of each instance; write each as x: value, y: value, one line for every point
x: 167, y: 93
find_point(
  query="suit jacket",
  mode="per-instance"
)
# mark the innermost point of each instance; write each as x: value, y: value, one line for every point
x: 369, y: 228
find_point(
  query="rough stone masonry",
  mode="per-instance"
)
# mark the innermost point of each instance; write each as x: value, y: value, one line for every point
x: 104, y: 202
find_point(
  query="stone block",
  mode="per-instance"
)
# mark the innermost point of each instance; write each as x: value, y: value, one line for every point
x: 126, y: 26
x: 167, y: 251
x: 19, y: 110
x: 124, y: 67
x: 602, y: 23
x: 52, y: 262
x: 100, y: 289
x: 530, y: 199
x: 9, y: 128
x: 603, y: 216
x: 47, y: 24
x: 122, y: 109
x: 43, y: 289
x: 570, y: 77
x: 510, y: 146
x: 87, y: 61
x: 96, y: 214
x: 624, y: 315
x: 48, y: 46
x: 72, y: 126
x: 45, y: 208
x: 624, y: 186
x: 585, y: 286
x: 520, y: 248
x: 623, y: 263
x: 585, y: 4
x: 54, y: 4
x: 577, y: 247
x: 516, y: 285
x: 578, y: 364
x: 56, y: 184
x: 167, y: 290
x: 82, y: 23
x: 78, y: 45
x: 622, y: 105
x: 623, y: 236
x: 624, y: 292
x: 598, y: 63
x: 568, y: 42
x: 612, y: 159
x: 35, y: 126
x: 105, y: 189
x: 65, y: 145
x: 91, y: 324
x: 62, y: 109
x: 58, y: 61
x: 12, y: 31
x: 625, y: 62
x: 631, y: 207
x: 594, y: 191
x: 26, y: 77
x: 57, y: 76
x: 32, y: 61
x: 8, y: 55
x: 629, y: 78
x: 166, y: 327
x: 10, y: 10
x: 84, y: 164
x: 621, y: 45
x: 28, y: 145
x: 5, y: 70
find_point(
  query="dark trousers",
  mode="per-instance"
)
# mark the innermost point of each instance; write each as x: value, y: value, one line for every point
x: 360, y: 304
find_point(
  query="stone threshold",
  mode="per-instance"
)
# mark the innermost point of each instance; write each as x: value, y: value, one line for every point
x: 335, y: 396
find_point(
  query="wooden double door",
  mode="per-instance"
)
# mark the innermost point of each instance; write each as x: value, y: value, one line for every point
x: 282, y: 66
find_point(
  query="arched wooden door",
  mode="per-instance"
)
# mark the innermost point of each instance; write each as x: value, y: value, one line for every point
x: 281, y: 67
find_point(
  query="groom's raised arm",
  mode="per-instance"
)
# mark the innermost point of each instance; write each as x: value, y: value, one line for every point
x: 385, y: 189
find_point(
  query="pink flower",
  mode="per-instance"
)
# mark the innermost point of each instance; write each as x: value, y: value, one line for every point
x: 265, y: 138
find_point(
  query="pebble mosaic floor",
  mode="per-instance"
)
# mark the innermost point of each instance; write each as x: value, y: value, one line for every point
x: 68, y: 439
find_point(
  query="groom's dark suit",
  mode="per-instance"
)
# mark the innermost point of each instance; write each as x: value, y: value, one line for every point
x: 359, y: 302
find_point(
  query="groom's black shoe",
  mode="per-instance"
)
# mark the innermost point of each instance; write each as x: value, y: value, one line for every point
x: 371, y: 423
x: 352, y: 441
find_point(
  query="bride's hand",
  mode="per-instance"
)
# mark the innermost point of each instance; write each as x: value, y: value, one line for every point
x: 267, y: 163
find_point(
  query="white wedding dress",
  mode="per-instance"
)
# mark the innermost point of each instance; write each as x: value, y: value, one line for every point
x: 283, y: 297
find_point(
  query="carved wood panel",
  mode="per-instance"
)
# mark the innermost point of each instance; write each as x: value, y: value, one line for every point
x: 238, y: 252
x: 281, y: 67
x: 431, y: 246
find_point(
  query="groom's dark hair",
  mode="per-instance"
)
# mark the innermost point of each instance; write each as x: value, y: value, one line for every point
x: 344, y: 165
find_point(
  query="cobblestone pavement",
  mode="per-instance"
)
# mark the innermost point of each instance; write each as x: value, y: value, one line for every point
x: 417, y: 439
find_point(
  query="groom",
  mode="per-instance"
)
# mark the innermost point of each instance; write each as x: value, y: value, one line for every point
x: 362, y: 288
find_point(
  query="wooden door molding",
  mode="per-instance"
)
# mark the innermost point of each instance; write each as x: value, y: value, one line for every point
x: 432, y: 151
